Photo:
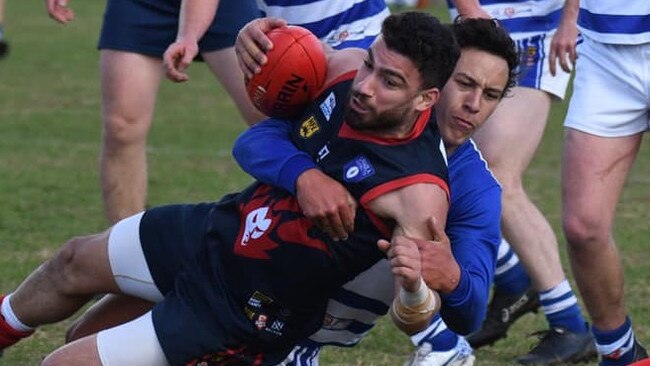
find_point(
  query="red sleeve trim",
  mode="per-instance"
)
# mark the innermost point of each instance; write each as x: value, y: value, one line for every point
x: 381, y: 224
x: 403, y: 182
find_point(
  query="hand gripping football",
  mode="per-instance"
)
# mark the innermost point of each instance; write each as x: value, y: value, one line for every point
x: 294, y: 73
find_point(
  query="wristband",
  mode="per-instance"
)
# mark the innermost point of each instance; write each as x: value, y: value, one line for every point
x: 414, y: 298
x: 414, y: 319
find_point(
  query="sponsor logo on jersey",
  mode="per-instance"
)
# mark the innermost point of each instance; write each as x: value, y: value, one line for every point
x: 309, y: 127
x: 327, y: 107
x: 276, y: 327
x: 323, y: 152
x: 260, y: 323
x: 358, y: 169
x: 256, y: 225
x: 265, y: 314
x: 255, y: 305
x: 258, y: 299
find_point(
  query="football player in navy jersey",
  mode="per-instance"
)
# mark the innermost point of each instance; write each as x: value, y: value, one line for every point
x: 243, y: 279
x: 478, y: 84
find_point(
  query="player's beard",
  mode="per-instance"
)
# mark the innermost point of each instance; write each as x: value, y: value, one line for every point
x: 391, y: 120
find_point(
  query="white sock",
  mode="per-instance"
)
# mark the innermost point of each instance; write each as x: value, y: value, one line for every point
x: 11, y: 318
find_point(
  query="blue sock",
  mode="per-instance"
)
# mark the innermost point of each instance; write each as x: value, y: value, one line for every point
x: 510, y: 278
x: 2, y: 31
x: 438, y: 335
x: 444, y: 341
x: 615, y: 346
x: 561, y: 308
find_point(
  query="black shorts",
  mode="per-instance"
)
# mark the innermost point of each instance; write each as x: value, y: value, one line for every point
x: 149, y: 26
x: 198, y: 316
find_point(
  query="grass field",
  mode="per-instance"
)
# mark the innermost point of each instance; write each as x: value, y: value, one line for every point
x: 49, y: 190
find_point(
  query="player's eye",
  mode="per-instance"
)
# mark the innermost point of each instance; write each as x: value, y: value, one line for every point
x: 464, y: 83
x: 390, y: 82
x: 492, y: 96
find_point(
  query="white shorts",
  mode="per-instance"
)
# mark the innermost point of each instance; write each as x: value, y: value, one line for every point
x: 534, y: 71
x: 131, y: 344
x: 128, y: 262
x: 134, y: 343
x: 611, y: 90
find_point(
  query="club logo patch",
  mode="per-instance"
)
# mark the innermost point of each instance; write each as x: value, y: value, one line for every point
x: 327, y: 107
x: 256, y: 225
x: 358, y: 169
x: 309, y: 127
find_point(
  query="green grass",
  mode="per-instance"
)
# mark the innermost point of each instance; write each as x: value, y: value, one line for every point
x: 49, y: 190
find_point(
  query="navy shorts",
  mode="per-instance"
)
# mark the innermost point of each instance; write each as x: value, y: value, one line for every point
x: 198, y: 319
x: 149, y: 26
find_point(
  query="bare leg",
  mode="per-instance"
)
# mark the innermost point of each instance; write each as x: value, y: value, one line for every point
x: 2, y: 11
x: 62, y: 285
x: 129, y: 87
x: 508, y: 141
x: 80, y: 353
x: 223, y: 64
x: 594, y: 171
x: 108, y: 312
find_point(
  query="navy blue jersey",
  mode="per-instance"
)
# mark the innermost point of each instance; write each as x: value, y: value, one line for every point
x: 473, y: 225
x: 262, y: 277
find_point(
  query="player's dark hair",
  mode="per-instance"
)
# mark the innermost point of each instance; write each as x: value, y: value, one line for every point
x: 430, y: 45
x: 487, y: 35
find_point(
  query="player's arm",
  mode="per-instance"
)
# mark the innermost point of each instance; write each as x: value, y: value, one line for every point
x: 475, y: 236
x: 194, y: 20
x: 413, y: 209
x: 266, y: 152
x: 564, y: 40
x: 59, y: 10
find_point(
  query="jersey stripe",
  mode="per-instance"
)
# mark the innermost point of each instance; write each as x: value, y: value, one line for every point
x: 618, y: 22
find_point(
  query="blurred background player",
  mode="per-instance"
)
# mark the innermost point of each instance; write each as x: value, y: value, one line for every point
x: 337, y: 23
x: 607, y: 117
x: 4, y: 46
x: 508, y: 144
x: 134, y: 36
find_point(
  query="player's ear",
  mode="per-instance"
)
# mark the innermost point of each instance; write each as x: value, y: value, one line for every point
x: 427, y: 99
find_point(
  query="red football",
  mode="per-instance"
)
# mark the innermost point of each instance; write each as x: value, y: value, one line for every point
x: 294, y: 73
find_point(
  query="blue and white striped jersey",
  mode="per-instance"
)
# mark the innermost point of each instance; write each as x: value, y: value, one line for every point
x: 615, y: 21
x: 522, y: 18
x: 339, y: 23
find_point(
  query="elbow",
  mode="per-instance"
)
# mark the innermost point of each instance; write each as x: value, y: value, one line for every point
x: 465, y: 311
x: 241, y: 148
x: 466, y: 322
